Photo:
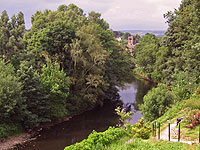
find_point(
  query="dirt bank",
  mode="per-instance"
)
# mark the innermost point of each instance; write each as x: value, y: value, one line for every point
x: 11, y: 142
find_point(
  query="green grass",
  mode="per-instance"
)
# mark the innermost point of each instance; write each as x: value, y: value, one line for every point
x: 181, y: 109
x: 139, y: 144
x: 171, y: 115
x: 193, y: 103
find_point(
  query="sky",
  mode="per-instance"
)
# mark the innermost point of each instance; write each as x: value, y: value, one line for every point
x: 120, y: 14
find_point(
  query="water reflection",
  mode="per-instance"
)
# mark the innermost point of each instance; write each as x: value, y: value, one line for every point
x: 131, y: 94
x: 99, y: 119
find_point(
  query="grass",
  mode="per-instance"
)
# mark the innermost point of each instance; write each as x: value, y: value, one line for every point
x: 188, y: 133
x: 139, y: 144
x: 193, y: 103
x: 171, y: 115
x: 181, y: 109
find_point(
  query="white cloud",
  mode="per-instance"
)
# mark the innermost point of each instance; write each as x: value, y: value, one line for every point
x: 139, y: 14
x: 120, y: 14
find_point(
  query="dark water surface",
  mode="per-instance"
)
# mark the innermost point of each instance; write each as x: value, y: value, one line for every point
x: 99, y: 119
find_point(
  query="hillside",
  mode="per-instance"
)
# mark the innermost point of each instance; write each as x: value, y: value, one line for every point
x: 173, y: 62
x: 158, y: 33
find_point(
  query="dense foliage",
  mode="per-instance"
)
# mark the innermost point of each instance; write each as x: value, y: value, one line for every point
x: 98, y: 140
x: 160, y: 99
x: 68, y: 61
x: 10, y: 92
x: 141, y: 130
x: 172, y: 60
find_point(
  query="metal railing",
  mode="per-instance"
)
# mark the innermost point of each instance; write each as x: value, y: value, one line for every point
x: 156, y: 130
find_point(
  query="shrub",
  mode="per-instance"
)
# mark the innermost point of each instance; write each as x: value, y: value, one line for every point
x: 192, y: 118
x: 7, y: 129
x: 141, y: 130
x: 156, y: 102
x: 123, y: 116
x: 98, y: 140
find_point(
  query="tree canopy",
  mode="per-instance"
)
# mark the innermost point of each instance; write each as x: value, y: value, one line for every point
x: 68, y: 61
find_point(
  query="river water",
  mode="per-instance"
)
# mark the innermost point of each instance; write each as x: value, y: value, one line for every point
x: 99, y: 119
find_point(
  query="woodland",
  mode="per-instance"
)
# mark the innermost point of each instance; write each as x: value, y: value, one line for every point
x: 66, y: 63
x: 173, y: 63
x: 69, y: 61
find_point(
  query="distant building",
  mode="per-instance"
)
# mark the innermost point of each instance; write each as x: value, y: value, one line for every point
x: 119, y: 39
x: 131, y: 44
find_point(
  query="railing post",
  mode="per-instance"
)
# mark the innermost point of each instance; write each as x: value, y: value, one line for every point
x: 169, y: 131
x: 153, y: 129
x: 159, y: 131
x: 199, y: 134
x: 179, y: 132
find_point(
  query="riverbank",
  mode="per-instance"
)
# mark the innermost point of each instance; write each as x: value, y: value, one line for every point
x: 75, y: 129
x: 145, y: 78
x: 12, y: 142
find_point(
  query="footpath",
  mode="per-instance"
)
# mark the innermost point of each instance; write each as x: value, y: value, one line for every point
x: 164, y: 135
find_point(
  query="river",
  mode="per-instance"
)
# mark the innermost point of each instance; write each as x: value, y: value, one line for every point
x: 99, y: 119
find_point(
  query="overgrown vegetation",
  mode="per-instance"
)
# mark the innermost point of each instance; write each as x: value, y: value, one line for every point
x: 141, y: 130
x: 103, y: 140
x: 140, y: 144
x: 99, y: 140
x: 68, y: 61
x: 172, y: 60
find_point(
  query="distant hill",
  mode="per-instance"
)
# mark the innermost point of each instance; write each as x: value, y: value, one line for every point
x: 143, y: 32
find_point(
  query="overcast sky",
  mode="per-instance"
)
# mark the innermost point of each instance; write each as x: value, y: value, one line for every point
x: 120, y: 14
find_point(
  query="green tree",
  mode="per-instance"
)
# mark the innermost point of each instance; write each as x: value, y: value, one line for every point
x: 126, y: 35
x: 183, y: 84
x: 88, y: 58
x: 35, y: 106
x: 10, y: 93
x: 183, y: 36
x: 4, y: 36
x: 11, y: 37
x: 156, y: 102
x: 56, y: 83
x: 145, y: 53
x: 84, y: 47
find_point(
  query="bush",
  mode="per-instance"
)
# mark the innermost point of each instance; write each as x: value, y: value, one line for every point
x: 123, y: 116
x: 98, y: 140
x: 10, y: 92
x: 141, y: 130
x: 192, y: 118
x: 7, y: 129
x: 156, y: 102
